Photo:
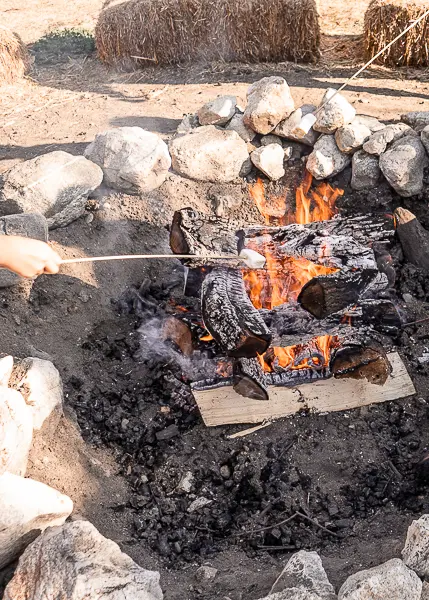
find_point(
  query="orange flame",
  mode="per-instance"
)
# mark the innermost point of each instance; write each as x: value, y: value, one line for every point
x: 283, y: 277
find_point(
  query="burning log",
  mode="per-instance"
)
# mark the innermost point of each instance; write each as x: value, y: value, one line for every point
x: 249, y: 379
x: 360, y: 358
x: 230, y: 317
x: 414, y: 238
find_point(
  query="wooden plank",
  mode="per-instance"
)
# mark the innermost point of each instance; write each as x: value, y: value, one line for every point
x: 223, y: 406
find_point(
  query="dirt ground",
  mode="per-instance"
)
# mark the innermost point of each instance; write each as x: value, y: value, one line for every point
x: 64, y: 104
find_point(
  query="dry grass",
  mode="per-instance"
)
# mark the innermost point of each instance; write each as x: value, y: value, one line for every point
x: 14, y: 57
x: 175, y: 31
x: 385, y: 19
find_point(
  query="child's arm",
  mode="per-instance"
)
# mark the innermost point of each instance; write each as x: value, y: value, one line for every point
x: 27, y: 257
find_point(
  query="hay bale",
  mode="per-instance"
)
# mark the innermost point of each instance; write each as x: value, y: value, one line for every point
x: 14, y: 56
x: 384, y: 20
x: 175, y: 31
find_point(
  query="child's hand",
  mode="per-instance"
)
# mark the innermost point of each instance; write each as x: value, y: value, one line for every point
x: 27, y: 257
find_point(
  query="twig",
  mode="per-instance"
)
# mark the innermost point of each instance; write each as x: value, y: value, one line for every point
x: 416, y: 322
x: 253, y: 531
x: 245, y: 432
x: 276, y: 548
x: 303, y: 516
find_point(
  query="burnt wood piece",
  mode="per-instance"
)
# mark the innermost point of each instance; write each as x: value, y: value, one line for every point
x: 364, y: 230
x: 294, y: 377
x: 290, y: 324
x: 414, y: 238
x: 360, y: 356
x: 250, y: 379
x: 230, y: 316
x: 193, y: 232
x: 385, y: 262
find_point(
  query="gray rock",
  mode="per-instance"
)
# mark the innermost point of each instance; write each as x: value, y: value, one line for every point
x: 269, y: 101
x: 269, y: 160
x: 223, y: 204
x: 205, y: 573
x: 218, y: 111
x: 31, y: 225
x: 27, y: 507
x: 366, y: 172
x: 16, y: 432
x: 379, y: 140
x: 198, y: 503
x: 351, y: 137
x: 186, y: 483
x: 78, y: 564
x: 188, y: 123
x: 418, y: 120
x: 286, y: 127
x: 133, y: 160
x: 210, y: 154
x: 403, y: 165
x: 304, y: 577
x: 391, y: 580
x: 425, y: 138
x: 337, y: 113
x: 55, y: 184
x: 237, y: 124
x: 266, y: 140
x: 416, y: 551
x: 371, y: 122
x: 425, y: 591
x: 326, y: 158
x: 40, y: 384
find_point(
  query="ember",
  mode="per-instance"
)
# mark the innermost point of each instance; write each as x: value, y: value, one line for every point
x: 315, y: 355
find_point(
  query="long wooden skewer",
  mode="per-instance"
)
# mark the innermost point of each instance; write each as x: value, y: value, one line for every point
x: 69, y: 261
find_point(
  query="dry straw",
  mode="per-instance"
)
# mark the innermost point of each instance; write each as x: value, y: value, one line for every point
x: 14, y: 57
x: 176, y: 31
x: 385, y: 19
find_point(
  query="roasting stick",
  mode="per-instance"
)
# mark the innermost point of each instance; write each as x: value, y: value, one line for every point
x: 252, y: 259
x: 309, y: 119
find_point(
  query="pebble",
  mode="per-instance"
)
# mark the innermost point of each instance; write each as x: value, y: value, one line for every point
x: 198, y: 503
x: 205, y: 573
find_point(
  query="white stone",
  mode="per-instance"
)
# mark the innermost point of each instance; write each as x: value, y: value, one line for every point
x: 366, y: 172
x: 40, y: 383
x: 56, y: 185
x: 133, y: 160
x: 6, y: 368
x: 237, y: 124
x: 218, y: 112
x: 403, y: 165
x: 304, y: 577
x: 27, y: 507
x: 371, y: 122
x: 210, y: 154
x: 337, y: 113
x: 186, y: 482
x: 379, y: 140
x: 286, y: 127
x: 389, y: 581
x: 269, y: 160
x: 16, y: 432
x: 198, y: 503
x: 326, y: 158
x: 351, y: 137
x: 416, y: 551
x: 205, y: 573
x: 269, y: 101
x: 75, y: 562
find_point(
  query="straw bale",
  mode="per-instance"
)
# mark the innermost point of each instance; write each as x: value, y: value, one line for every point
x: 14, y: 57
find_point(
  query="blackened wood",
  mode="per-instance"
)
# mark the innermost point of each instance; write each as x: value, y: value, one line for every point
x: 294, y: 377
x: 360, y: 357
x: 364, y: 229
x: 385, y: 262
x: 230, y: 316
x: 414, y: 238
x: 249, y: 379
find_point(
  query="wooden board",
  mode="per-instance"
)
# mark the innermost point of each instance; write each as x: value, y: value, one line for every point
x: 223, y: 406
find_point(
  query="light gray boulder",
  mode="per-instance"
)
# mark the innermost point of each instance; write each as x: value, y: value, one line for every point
x: 210, y: 154
x: 27, y: 507
x: 403, y: 165
x: 187, y: 124
x: 337, y: 113
x: 56, y: 185
x: 366, y: 172
x: 237, y: 124
x: 425, y: 591
x: 133, y: 160
x: 351, y: 137
x: 391, y: 580
x: 78, y: 563
x: 6, y: 368
x: 16, y: 432
x: 425, y: 138
x: 31, y: 225
x: 269, y: 160
x: 218, y: 111
x: 379, y: 140
x: 269, y: 101
x: 371, y: 122
x: 327, y: 159
x: 418, y: 120
x: 286, y: 127
x: 416, y: 550
x: 305, y: 578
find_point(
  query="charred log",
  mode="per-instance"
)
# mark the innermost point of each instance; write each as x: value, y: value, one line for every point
x: 230, y: 316
x: 360, y: 358
x: 414, y: 238
x: 249, y: 379
x: 295, y: 377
